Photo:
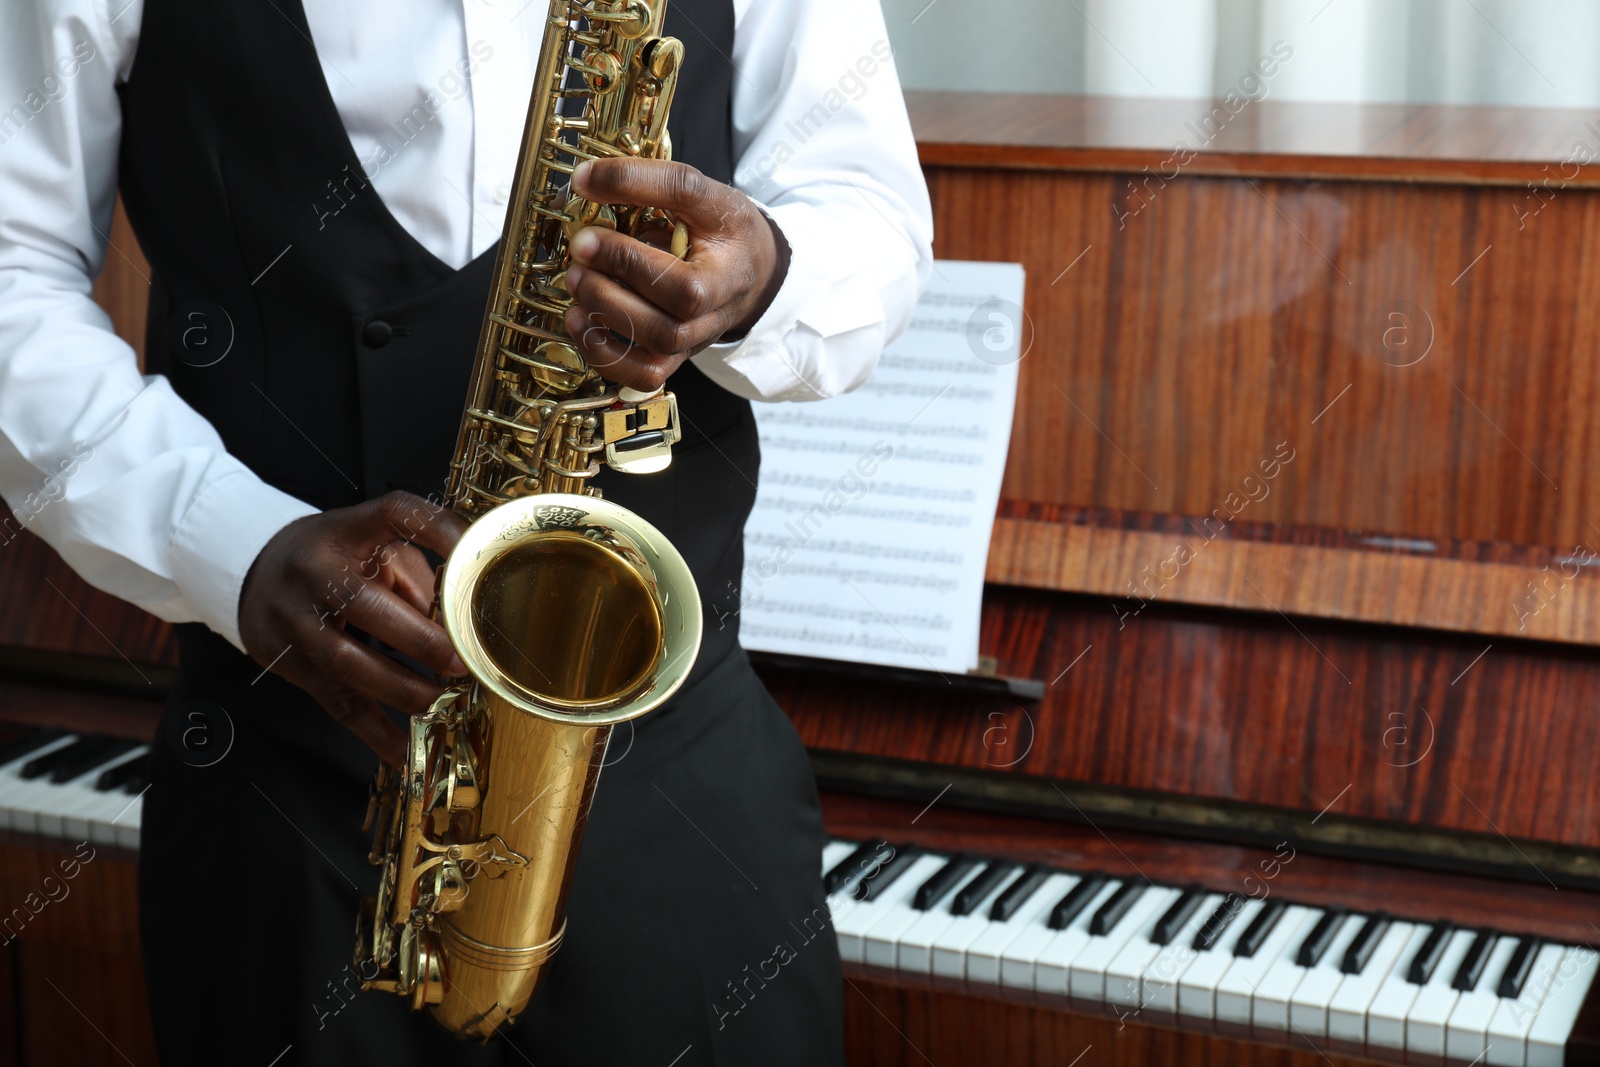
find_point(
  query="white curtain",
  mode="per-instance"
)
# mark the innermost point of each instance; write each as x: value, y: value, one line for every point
x: 1528, y: 53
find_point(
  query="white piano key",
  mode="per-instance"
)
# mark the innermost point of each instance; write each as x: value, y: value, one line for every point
x: 1466, y: 1033
x: 1348, y: 1010
x: 1158, y: 985
x: 1386, y: 1016
x: 56, y: 802
x: 879, y: 939
x: 92, y: 820
x: 834, y: 852
x: 1237, y: 991
x: 1019, y: 957
x: 950, y: 947
x: 984, y: 955
x: 127, y: 821
x: 11, y: 770
x: 1124, y: 974
x: 1269, y: 1004
x: 1308, y: 1007
x: 1088, y: 977
x: 914, y: 947
x: 853, y: 917
x: 1197, y: 989
x: 76, y: 817
x: 15, y: 790
x: 1547, y: 1040
x: 1054, y: 965
x: 1507, y: 1036
x: 1429, y: 1013
x: 44, y: 807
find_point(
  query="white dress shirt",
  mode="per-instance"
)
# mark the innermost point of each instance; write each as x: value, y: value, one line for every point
x: 134, y: 488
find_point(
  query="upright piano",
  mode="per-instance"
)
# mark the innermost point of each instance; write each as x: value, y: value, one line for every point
x: 1283, y: 747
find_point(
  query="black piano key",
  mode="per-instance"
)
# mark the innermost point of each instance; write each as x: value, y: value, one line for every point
x: 40, y: 766
x: 140, y: 781
x: 1471, y: 970
x: 88, y: 760
x: 1257, y: 932
x: 115, y: 776
x: 31, y: 741
x: 1182, y: 911
x: 1115, y: 907
x: 1077, y: 898
x: 887, y: 874
x: 973, y: 893
x: 1316, y: 944
x: 1519, y: 968
x: 1427, y: 958
x: 1361, y: 949
x: 943, y: 881
x: 854, y: 866
x: 1217, y: 925
x: 1018, y: 893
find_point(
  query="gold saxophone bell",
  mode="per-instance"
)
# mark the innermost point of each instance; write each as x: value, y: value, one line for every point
x: 571, y: 613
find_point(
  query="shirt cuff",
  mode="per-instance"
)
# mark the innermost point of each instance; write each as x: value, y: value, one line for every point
x: 778, y: 358
x: 219, y: 537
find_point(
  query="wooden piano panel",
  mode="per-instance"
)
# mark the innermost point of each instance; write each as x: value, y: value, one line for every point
x: 77, y: 978
x: 1181, y: 350
x: 1251, y: 708
x: 1219, y: 327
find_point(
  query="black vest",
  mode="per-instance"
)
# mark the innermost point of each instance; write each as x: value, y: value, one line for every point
x: 348, y: 344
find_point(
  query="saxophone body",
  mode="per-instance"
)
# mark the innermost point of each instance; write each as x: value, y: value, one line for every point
x: 571, y: 613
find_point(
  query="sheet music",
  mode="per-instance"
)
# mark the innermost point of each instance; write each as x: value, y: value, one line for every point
x: 872, y: 519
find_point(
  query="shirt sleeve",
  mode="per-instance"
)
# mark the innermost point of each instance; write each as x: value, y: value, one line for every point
x: 823, y: 144
x: 110, y: 467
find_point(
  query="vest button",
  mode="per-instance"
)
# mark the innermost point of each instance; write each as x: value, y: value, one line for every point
x: 377, y: 333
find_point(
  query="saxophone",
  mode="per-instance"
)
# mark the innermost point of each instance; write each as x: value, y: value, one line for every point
x: 571, y: 613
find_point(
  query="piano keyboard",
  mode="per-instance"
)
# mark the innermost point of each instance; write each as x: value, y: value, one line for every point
x: 1325, y: 974
x: 1418, y: 988
x: 78, y: 787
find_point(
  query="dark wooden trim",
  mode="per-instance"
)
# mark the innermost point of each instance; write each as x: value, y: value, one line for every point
x: 1210, y: 819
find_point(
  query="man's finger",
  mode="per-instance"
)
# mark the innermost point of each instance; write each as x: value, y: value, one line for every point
x: 411, y: 576
x: 678, y: 288
x: 617, y: 360
x: 402, y: 516
x: 657, y: 330
x: 382, y: 613
x: 677, y: 187
x: 349, y: 663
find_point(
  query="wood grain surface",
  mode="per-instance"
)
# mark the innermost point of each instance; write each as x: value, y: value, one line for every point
x: 1230, y: 320
x: 1407, y: 726
x: 77, y: 991
x: 1261, y: 138
x: 1552, y: 598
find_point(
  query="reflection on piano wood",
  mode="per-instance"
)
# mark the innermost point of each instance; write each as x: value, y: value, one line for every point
x: 1356, y: 681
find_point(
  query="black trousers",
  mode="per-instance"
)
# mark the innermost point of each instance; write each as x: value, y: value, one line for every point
x: 697, y: 932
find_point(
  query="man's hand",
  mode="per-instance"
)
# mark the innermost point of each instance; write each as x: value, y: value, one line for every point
x: 354, y: 566
x: 669, y: 308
